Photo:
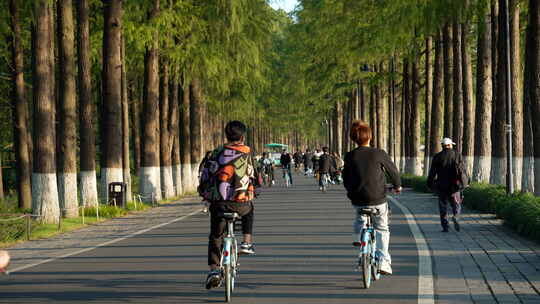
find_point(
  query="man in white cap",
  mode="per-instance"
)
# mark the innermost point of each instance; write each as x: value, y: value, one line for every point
x: 447, y: 178
x: 4, y: 261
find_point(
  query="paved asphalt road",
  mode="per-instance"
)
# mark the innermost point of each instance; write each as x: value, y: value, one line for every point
x: 303, y: 256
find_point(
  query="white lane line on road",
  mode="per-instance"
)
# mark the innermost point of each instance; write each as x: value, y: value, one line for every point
x: 104, y: 244
x: 425, y: 271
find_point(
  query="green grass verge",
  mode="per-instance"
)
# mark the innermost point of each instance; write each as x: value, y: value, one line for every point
x: 520, y: 211
x: 13, y: 232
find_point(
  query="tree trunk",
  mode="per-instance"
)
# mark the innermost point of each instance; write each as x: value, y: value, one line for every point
x: 67, y: 131
x: 1, y: 180
x: 149, y: 174
x: 428, y: 99
x: 126, y: 163
x: 528, y: 138
x: 185, y: 140
x: 457, y: 124
x: 448, y: 81
x: 20, y: 114
x: 533, y: 46
x: 499, y: 144
x: 397, y: 119
x: 136, y: 132
x: 175, y: 138
x: 363, y: 103
x: 405, y: 117
x: 196, y: 112
x: 416, y: 161
x: 339, y: 127
x: 437, y: 102
x: 517, y: 96
x: 112, y: 170
x: 379, y: 120
x: 468, y: 102
x: 44, y: 184
x: 484, y: 91
x: 494, y: 61
x: 167, y: 184
x: 88, y: 181
x: 373, y: 115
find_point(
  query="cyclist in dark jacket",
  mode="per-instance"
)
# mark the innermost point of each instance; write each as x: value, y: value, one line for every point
x: 308, y: 162
x: 446, y: 181
x: 286, y: 161
x: 364, y: 178
x: 326, y: 166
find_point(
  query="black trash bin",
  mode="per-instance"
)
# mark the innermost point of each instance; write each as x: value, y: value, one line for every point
x: 117, y: 194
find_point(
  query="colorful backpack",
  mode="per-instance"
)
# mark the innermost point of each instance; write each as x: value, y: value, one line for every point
x: 227, y: 175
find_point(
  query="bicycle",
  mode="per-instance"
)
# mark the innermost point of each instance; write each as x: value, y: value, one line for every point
x: 229, y: 255
x: 368, y: 257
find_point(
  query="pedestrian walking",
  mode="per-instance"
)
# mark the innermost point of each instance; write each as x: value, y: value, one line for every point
x: 448, y: 178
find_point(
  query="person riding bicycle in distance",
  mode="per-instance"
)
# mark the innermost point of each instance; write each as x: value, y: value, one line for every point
x: 325, y: 166
x: 364, y: 179
x: 235, y: 174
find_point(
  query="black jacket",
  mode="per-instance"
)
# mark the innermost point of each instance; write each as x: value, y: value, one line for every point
x: 285, y: 159
x: 446, y: 167
x: 325, y: 164
x: 364, y: 176
x: 308, y: 162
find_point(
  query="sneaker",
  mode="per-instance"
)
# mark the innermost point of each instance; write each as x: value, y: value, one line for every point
x: 246, y: 248
x: 213, y: 279
x: 385, y: 268
x: 456, y: 224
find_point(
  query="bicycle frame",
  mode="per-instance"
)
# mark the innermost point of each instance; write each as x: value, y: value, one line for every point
x: 229, y: 260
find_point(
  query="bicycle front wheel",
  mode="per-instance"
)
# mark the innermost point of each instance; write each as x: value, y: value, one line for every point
x: 228, y: 282
x: 366, y: 267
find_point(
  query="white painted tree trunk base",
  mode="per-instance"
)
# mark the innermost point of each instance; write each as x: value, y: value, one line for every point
x: 498, y: 171
x: 177, y: 180
x: 468, y: 162
x: 67, y: 194
x: 481, y: 169
x: 110, y: 175
x: 427, y: 164
x: 150, y: 183
x: 413, y: 165
x: 167, y: 183
x: 517, y: 163
x: 187, y: 184
x: 528, y: 174
x: 88, y: 187
x: 127, y: 180
x: 195, y: 176
x: 45, y: 197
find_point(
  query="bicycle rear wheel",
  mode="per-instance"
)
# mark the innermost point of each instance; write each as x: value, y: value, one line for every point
x: 366, y: 266
x: 228, y: 282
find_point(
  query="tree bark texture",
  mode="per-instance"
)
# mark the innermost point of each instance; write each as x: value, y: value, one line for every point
x: 44, y: 185
x: 457, y: 108
x: 196, y: 112
x: 67, y: 164
x: 428, y: 100
x: 185, y: 143
x: 416, y: 160
x: 527, y: 181
x: 126, y: 159
x: 448, y: 81
x: 438, y: 101
x: 468, y: 102
x: 20, y: 114
x: 499, y: 142
x: 484, y: 91
x: 517, y: 96
x: 174, y: 133
x: 149, y: 173
x: 88, y: 182
x: 167, y: 184
x: 112, y: 170
x: 533, y: 45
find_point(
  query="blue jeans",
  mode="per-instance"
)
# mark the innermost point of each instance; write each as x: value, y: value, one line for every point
x: 287, y: 170
x: 444, y: 201
x: 380, y: 223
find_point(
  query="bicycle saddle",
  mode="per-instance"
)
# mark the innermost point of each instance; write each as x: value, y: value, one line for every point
x: 231, y: 216
x: 369, y: 211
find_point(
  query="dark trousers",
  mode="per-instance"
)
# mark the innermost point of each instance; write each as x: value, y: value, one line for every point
x: 444, y: 201
x: 218, y: 225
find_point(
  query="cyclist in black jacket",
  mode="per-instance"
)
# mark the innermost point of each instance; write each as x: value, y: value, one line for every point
x: 364, y: 178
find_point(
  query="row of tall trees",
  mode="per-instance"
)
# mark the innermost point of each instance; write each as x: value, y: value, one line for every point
x: 115, y: 90
x: 421, y: 71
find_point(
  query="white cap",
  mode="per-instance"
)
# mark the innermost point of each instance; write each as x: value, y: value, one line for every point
x: 447, y: 141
